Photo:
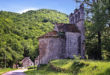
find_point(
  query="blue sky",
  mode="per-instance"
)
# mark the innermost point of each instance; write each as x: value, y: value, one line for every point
x: 19, y: 6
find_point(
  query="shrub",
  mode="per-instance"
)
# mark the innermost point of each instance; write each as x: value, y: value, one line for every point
x: 32, y: 67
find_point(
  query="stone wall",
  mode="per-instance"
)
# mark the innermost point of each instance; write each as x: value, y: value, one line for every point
x: 81, y: 27
x: 72, y: 45
x: 51, y: 48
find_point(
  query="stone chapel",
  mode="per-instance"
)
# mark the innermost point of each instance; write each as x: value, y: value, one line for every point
x: 65, y: 40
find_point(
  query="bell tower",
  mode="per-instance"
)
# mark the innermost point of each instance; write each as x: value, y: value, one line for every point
x: 77, y: 18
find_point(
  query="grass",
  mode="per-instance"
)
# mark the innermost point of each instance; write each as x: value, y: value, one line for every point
x: 95, y: 68
x: 73, y: 67
x: 45, y: 70
x: 84, y: 67
x: 5, y: 70
x: 63, y: 63
x: 32, y: 67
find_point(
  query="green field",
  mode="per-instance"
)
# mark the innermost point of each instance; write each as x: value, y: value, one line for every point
x: 5, y: 70
x: 73, y: 67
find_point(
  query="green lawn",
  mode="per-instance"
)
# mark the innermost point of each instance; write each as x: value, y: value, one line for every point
x: 5, y: 70
x: 73, y: 67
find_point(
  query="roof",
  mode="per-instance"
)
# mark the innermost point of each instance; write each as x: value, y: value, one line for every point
x: 25, y: 59
x: 50, y: 34
x: 61, y: 28
x: 67, y: 28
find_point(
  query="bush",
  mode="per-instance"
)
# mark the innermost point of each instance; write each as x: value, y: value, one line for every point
x: 32, y: 67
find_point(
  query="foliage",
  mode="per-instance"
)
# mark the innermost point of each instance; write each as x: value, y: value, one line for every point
x: 91, y: 41
x: 32, y: 67
x: 97, y: 25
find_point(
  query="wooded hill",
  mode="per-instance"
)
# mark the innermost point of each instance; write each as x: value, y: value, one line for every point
x: 19, y: 33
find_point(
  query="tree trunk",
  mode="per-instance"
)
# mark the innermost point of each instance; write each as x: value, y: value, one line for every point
x: 99, y: 54
x: 5, y: 61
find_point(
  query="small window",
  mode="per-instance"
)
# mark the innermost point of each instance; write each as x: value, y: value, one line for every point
x: 78, y: 16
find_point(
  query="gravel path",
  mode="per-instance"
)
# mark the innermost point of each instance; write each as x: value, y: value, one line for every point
x: 16, y: 72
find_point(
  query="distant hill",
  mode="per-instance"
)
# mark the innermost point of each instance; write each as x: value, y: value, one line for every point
x: 19, y: 32
x: 46, y: 15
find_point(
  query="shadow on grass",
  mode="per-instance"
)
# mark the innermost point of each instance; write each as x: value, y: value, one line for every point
x: 76, y: 66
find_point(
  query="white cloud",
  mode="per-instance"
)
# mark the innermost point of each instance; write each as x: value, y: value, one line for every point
x: 25, y: 10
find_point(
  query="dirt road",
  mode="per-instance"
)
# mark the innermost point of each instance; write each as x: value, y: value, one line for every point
x: 16, y: 72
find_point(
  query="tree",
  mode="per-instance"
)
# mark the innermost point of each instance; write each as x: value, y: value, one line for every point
x: 98, y: 9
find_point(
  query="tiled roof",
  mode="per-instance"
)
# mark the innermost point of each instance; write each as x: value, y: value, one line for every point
x: 61, y: 28
x: 25, y: 59
x: 67, y: 28
x: 50, y: 34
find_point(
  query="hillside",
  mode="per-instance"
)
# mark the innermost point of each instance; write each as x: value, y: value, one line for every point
x: 19, y: 33
x: 45, y: 15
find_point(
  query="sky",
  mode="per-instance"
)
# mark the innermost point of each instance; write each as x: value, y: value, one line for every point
x: 20, y: 6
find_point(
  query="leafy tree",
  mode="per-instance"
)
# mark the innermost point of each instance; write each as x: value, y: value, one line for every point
x: 98, y: 9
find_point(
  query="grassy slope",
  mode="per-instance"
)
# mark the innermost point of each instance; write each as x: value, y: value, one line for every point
x: 73, y: 67
x: 5, y: 70
x: 84, y: 67
x: 45, y: 70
